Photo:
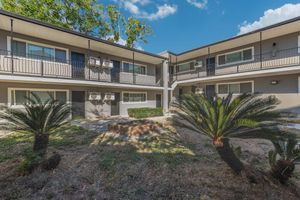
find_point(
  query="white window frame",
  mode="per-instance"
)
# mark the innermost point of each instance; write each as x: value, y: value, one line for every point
x: 34, y: 43
x: 135, y: 92
x: 182, y: 72
x: 146, y: 70
x: 240, y: 50
x: 12, y: 104
x: 237, y: 82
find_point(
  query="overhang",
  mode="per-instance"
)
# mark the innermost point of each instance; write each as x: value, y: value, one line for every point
x: 30, y: 27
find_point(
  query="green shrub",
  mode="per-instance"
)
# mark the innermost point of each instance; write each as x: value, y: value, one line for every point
x: 30, y: 162
x: 144, y: 112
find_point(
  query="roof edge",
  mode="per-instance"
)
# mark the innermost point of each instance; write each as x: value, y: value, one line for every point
x: 37, y: 22
x: 239, y: 36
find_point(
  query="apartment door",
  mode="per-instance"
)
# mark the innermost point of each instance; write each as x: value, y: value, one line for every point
x: 115, y: 105
x: 78, y: 104
x: 158, y: 100
x: 78, y: 65
x: 210, y: 91
x: 115, y: 71
x: 211, y: 66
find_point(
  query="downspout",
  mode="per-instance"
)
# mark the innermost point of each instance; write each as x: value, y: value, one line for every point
x: 88, y: 58
x: 11, y: 44
x: 133, y: 72
x: 260, y: 48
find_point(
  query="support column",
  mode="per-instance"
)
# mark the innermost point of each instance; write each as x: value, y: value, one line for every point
x: 166, y: 86
x: 11, y: 45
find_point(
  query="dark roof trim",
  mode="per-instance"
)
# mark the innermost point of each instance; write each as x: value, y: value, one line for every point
x: 20, y: 17
x: 239, y: 36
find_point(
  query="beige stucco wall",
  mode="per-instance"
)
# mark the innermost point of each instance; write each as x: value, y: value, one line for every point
x: 290, y: 55
x: 286, y: 90
x: 51, y: 69
x: 92, y: 109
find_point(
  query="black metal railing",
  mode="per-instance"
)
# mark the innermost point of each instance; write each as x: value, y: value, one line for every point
x: 270, y: 60
x: 49, y: 67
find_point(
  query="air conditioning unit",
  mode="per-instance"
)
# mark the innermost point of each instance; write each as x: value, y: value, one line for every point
x: 94, y: 96
x: 95, y: 62
x: 109, y: 97
x: 107, y: 64
x: 199, y: 90
x: 198, y: 64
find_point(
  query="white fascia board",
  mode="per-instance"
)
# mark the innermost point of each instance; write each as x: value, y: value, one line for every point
x: 57, y: 81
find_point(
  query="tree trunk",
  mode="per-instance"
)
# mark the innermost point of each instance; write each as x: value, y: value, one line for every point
x: 40, y: 143
x: 228, y: 156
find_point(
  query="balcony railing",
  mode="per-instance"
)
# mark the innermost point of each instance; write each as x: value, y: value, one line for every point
x: 38, y: 66
x: 270, y: 60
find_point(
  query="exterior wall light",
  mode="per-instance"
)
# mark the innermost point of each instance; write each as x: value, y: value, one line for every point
x: 274, y: 82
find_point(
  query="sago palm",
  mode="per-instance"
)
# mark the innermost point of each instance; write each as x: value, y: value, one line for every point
x: 284, y: 158
x: 245, y: 116
x: 38, y: 117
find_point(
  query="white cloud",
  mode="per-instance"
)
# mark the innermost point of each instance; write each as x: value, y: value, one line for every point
x: 134, y: 7
x: 162, y: 12
x: 198, y: 4
x: 270, y: 17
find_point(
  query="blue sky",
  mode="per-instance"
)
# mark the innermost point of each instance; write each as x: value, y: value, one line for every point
x: 181, y: 25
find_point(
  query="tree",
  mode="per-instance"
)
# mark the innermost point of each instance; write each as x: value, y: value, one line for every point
x: 41, y: 118
x: 85, y: 16
x: 136, y: 31
x: 245, y: 116
x: 284, y: 158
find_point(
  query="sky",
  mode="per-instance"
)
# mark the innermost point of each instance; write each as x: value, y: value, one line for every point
x: 180, y: 25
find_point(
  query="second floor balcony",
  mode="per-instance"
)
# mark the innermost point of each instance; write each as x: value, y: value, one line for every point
x: 266, y: 61
x: 76, y: 69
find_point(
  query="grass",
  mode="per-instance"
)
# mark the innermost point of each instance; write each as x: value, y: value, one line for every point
x: 18, y: 143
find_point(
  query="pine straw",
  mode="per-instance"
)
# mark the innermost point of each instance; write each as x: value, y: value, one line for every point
x: 167, y: 166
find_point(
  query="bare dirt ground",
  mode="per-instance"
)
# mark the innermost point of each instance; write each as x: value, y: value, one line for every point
x: 170, y: 165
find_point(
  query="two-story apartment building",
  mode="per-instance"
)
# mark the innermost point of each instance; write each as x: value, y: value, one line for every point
x: 264, y: 61
x: 97, y: 77
x: 101, y: 78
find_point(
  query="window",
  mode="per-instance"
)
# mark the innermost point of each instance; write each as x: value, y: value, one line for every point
x: 237, y: 56
x: 134, y: 97
x: 139, y: 69
x: 185, y: 67
x: 19, y: 48
x: 39, y: 52
x: 19, y: 96
x: 26, y: 49
x: 235, y: 88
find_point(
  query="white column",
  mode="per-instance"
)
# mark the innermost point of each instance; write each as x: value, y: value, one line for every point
x: 165, y: 85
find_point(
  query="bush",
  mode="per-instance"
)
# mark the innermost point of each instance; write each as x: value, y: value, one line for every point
x: 144, y: 112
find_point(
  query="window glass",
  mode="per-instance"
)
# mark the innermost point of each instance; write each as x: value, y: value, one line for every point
x: 239, y: 56
x: 39, y: 52
x: 21, y: 97
x: 61, y: 96
x: 247, y: 54
x: 184, y: 67
x: 44, y: 95
x: 233, y: 57
x: 223, y: 89
x: 60, y: 55
x: 234, y: 88
x: 246, y: 88
x: 128, y: 67
x: 18, y: 48
x: 221, y: 60
x: 134, y: 97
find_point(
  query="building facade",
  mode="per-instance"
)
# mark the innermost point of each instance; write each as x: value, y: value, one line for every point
x: 100, y: 78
